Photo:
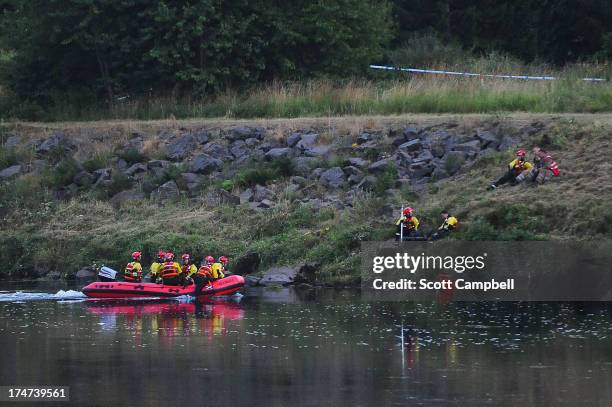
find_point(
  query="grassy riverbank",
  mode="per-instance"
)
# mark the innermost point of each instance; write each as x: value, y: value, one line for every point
x: 42, y: 233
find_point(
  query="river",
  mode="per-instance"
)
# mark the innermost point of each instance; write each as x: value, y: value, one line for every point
x: 279, y: 347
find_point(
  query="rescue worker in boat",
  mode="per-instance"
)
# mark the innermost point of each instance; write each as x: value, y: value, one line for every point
x: 448, y: 225
x: 188, y: 269
x: 216, y: 270
x: 156, y: 266
x: 170, y: 271
x: 133, y: 270
x: 409, y: 223
x: 203, y: 276
x: 517, y: 167
x: 545, y: 167
x: 224, y: 262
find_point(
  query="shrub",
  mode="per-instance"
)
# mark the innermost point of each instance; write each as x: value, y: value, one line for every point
x: 262, y: 172
x: 62, y: 174
x: 97, y: 161
x: 228, y: 185
x: 8, y: 157
x: 132, y: 156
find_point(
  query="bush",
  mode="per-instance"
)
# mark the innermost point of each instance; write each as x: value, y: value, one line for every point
x: 97, y: 161
x: 8, y: 157
x: 62, y: 174
x: 386, y: 180
x: 228, y: 185
x: 132, y: 156
x: 262, y: 172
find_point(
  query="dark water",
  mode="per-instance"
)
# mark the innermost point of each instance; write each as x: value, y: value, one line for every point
x: 279, y: 348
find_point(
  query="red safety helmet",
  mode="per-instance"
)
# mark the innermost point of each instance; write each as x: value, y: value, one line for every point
x: 407, y: 211
x: 161, y: 254
x: 223, y: 259
x: 169, y: 256
x: 136, y: 255
x: 209, y: 259
x: 185, y: 257
x: 521, y: 153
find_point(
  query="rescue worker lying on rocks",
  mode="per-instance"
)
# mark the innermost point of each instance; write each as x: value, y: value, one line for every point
x: 410, y: 225
x: 448, y: 225
x: 545, y: 167
x: 517, y: 167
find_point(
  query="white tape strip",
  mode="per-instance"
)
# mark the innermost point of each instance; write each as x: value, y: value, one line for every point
x: 432, y: 71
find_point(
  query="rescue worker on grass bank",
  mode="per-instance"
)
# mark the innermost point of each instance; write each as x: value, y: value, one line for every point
x: 203, y: 276
x: 133, y: 270
x: 170, y: 271
x: 156, y: 266
x: 188, y: 269
x: 409, y: 223
x: 545, y: 167
x: 450, y: 223
x: 517, y: 167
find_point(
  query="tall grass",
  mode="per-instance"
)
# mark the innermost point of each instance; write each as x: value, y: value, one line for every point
x: 391, y: 93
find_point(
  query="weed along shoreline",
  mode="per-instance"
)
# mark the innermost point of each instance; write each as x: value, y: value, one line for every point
x: 288, y: 200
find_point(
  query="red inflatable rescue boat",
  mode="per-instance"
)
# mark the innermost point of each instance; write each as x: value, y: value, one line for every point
x: 119, y: 289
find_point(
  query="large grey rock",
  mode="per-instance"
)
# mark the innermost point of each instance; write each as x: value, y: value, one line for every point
x: 412, y: 145
x: 453, y: 160
x: 507, y: 142
x: 317, y: 151
x: 180, y: 148
x: 251, y: 142
x: 12, y: 141
x: 136, y: 143
x: 352, y: 170
x: 410, y: 133
x: 286, y: 275
x: 420, y: 170
x: 222, y: 197
x: 333, y: 177
x: 201, y: 137
x: 205, y: 164
x: 307, y: 141
x: 241, y: 133
x: 166, y: 192
x: 83, y: 179
x: 103, y: 174
x: 403, y: 159
x: 136, y: 169
x: 57, y: 141
x: 379, y: 166
x: 216, y: 150
x: 424, y: 156
x: 296, y: 179
x: 246, y: 196
x: 265, y: 204
x: 367, y: 183
x: 126, y: 197
x: 364, y: 137
x: 260, y: 193
x: 281, y: 152
x: 472, y: 148
x: 86, y: 273
x: 438, y: 142
x: 359, y: 162
x: 355, y: 179
x: 158, y: 164
x: 303, y: 165
x: 439, y: 173
x: 293, y: 139
x: 191, y: 181
x: 239, y: 148
x: 488, y: 139
x: 11, y: 171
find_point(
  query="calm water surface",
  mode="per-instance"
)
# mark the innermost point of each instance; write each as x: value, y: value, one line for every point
x: 307, y: 348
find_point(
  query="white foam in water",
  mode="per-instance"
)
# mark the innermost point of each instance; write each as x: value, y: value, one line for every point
x: 61, y: 295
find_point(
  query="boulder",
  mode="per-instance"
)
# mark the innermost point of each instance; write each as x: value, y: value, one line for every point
x: 367, y: 183
x: 56, y: 142
x: 251, y: 142
x: 317, y: 151
x: 488, y: 139
x: 293, y: 139
x: 364, y: 138
x: 307, y: 141
x: 439, y: 173
x: 379, y: 166
x: 221, y: 197
x: 281, y: 152
x: 303, y: 165
x: 83, y: 179
x: 216, y: 150
x: 125, y: 197
x: 239, y: 148
x: 279, y: 276
x: 351, y: 170
x: 410, y: 133
x: 265, y: 204
x: 246, y: 264
x: 166, y: 192
x: 12, y: 141
x: 296, y: 179
x: 11, y: 171
x: 240, y: 133
x: 453, y: 160
x: 424, y: 156
x: 471, y: 148
x: 403, y: 159
x: 251, y: 281
x: 420, y: 170
x: 205, y: 164
x: 507, y: 142
x: 201, y: 137
x: 355, y: 179
x: 180, y: 148
x: 135, y: 143
x: 120, y: 163
x: 359, y: 162
x: 246, y: 196
x: 260, y: 193
x: 333, y: 177
x: 158, y: 164
x: 412, y: 145
x: 191, y: 181
x: 136, y: 169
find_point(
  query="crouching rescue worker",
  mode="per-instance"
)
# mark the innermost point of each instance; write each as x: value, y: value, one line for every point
x: 516, y: 168
x: 170, y: 271
x: 224, y: 262
x: 407, y: 225
x: 448, y: 225
x: 203, y: 276
x: 156, y: 266
x: 133, y: 270
x: 217, y: 269
x: 188, y: 269
x: 545, y: 167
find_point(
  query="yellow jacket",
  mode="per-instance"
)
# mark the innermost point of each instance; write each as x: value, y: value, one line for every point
x: 154, y: 269
x: 450, y: 223
x: 411, y: 223
x: 519, y: 165
x: 189, y: 270
x: 216, y: 270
